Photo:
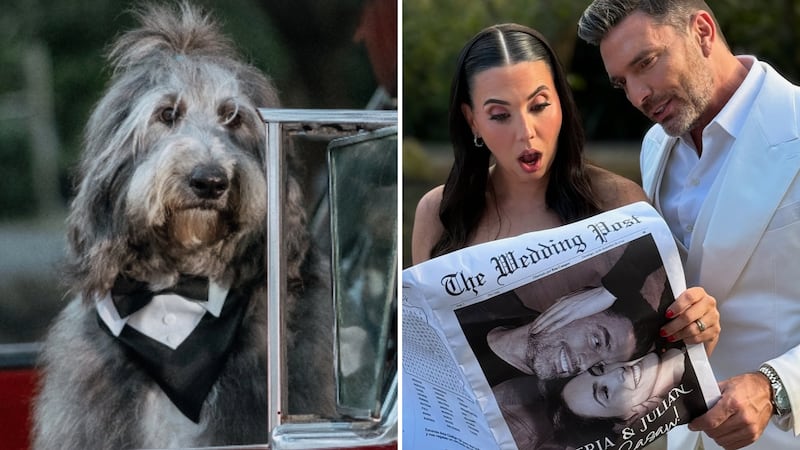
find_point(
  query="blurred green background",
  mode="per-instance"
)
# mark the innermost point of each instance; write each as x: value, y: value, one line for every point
x: 307, y: 47
x: 54, y: 71
x: 433, y: 33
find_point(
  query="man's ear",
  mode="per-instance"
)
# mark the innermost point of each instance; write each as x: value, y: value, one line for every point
x: 706, y: 30
x: 466, y: 110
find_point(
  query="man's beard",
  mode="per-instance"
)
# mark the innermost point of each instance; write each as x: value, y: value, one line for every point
x: 538, y: 357
x: 697, y: 89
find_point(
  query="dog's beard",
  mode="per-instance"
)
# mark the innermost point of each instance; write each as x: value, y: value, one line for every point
x: 194, y: 228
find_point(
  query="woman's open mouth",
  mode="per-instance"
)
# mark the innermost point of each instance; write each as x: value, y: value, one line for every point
x: 530, y: 161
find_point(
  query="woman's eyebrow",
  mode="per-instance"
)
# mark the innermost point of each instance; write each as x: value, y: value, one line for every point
x: 503, y: 102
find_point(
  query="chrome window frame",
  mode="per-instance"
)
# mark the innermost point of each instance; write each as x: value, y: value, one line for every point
x: 342, y: 122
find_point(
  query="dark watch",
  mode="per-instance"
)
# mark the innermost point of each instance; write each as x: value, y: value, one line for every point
x: 780, y: 399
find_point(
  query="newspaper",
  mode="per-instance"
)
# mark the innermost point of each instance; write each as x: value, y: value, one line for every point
x: 550, y: 340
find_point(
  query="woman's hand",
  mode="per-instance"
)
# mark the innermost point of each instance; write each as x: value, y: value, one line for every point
x: 694, y: 318
x: 572, y: 307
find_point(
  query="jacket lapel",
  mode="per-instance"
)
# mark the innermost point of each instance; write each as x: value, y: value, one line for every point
x: 655, y: 153
x: 762, y: 165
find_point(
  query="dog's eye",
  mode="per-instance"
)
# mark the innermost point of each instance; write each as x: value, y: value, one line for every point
x: 232, y: 119
x: 168, y: 115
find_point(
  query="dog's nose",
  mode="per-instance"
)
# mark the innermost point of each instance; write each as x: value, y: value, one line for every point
x: 208, y: 182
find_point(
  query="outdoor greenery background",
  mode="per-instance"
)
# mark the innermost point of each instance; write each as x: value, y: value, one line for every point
x: 434, y: 31
x: 311, y: 57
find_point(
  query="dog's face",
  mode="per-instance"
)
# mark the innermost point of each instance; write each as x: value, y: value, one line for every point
x: 172, y: 174
x: 197, y: 170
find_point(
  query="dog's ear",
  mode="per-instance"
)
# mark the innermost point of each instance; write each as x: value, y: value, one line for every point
x: 257, y: 87
x: 95, y: 225
x: 296, y: 242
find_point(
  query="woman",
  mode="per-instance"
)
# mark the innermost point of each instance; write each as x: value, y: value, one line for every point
x: 518, y: 162
x: 605, y: 400
x: 624, y: 390
x: 518, y: 150
x: 600, y: 403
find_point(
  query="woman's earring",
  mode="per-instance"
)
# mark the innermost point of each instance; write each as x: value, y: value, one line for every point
x: 477, y: 140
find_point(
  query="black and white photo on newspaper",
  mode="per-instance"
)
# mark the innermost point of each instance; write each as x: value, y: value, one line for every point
x: 555, y: 335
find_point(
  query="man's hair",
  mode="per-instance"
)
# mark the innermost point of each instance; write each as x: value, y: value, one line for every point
x: 603, y: 15
x: 644, y: 320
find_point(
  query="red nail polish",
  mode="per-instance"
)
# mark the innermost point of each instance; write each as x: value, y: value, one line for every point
x: 670, y: 314
x: 663, y: 333
x: 671, y: 338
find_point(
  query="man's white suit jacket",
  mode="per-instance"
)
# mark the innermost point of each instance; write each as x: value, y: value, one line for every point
x: 745, y: 249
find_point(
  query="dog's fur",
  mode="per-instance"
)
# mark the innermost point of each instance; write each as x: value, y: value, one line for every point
x: 179, y: 99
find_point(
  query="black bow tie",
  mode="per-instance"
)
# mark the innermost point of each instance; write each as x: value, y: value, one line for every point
x: 131, y: 295
x: 187, y: 373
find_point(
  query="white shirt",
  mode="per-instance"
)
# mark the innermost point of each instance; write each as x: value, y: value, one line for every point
x: 688, y: 177
x: 168, y: 318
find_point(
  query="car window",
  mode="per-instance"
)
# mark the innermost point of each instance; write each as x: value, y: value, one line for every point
x: 351, y: 189
x: 363, y: 197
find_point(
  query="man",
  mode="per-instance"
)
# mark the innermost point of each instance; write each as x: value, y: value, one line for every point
x: 721, y: 165
x: 507, y: 346
x: 580, y: 330
x: 601, y: 338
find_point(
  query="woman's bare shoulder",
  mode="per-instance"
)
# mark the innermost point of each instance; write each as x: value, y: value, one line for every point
x: 428, y: 205
x: 614, y: 190
x: 427, y: 227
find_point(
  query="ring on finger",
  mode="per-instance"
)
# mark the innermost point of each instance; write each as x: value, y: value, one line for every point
x: 700, y: 325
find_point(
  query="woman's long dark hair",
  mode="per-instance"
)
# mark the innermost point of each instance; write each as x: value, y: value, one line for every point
x: 572, y: 430
x: 569, y: 191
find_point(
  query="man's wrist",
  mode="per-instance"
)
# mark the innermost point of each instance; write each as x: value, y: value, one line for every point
x: 778, y: 395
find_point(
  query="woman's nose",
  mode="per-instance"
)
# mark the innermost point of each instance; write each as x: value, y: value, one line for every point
x: 528, y: 128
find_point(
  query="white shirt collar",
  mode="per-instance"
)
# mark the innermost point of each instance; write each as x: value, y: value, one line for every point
x: 688, y: 177
x: 168, y: 318
x: 732, y: 116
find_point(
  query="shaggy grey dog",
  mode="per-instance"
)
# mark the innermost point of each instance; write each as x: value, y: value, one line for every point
x: 172, y: 185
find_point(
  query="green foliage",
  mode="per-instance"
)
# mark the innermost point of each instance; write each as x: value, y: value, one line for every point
x: 77, y: 34
x: 434, y: 32
x: 768, y: 29
x: 16, y: 197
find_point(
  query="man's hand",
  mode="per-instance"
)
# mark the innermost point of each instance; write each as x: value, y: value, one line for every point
x: 740, y: 416
x: 572, y: 307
